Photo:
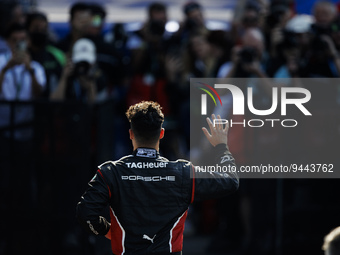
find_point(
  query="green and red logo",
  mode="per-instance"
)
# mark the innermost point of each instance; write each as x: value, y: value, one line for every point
x: 204, y: 96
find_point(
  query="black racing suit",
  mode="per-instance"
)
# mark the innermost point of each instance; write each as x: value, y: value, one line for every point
x: 149, y: 198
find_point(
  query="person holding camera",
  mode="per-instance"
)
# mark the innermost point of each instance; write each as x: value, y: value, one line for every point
x: 11, y: 12
x: 290, y: 51
x: 149, y: 79
x: 193, y: 23
x: 322, y: 55
x: 80, y: 77
x: 248, y: 58
x: 80, y: 21
x: 20, y: 78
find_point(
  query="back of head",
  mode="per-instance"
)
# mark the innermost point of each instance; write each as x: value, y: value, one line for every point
x: 146, y: 120
x: 190, y: 6
x: 331, y: 244
x: 79, y: 6
x: 31, y: 17
x: 156, y: 7
x: 97, y: 9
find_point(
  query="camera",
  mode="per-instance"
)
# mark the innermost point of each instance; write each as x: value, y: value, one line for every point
x: 248, y: 55
x: 190, y: 24
x: 81, y: 69
x: 290, y: 40
x: 157, y: 27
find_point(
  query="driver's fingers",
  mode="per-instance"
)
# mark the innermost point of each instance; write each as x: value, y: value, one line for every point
x: 210, y: 125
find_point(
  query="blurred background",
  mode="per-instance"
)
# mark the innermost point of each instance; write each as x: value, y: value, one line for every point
x: 70, y: 69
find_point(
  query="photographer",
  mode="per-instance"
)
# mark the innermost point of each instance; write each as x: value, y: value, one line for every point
x: 20, y: 78
x: 194, y: 23
x: 321, y: 57
x: 247, y: 15
x: 80, y: 78
x: 149, y: 79
x: 291, y: 51
x: 248, y: 59
x: 11, y: 12
x: 80, y: 22
x: 275, y: 22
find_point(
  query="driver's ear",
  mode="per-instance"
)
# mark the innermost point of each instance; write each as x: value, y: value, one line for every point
x: 132, y: 136
x: 161, y: 135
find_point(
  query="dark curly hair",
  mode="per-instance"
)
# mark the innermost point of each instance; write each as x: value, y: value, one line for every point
x: 146, y: 120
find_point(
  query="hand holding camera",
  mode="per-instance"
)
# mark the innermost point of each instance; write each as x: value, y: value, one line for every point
x: 248, y: 60
x: 19, y: 56
x: 68, y: 69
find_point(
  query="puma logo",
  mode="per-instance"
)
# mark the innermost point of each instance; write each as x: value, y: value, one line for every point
x: 148, y: 238
x: 225, y: 158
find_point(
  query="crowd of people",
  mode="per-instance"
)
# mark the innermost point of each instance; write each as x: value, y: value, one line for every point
x: 266, y: 39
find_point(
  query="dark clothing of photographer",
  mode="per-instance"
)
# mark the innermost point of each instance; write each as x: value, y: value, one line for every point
x: 74, y: 88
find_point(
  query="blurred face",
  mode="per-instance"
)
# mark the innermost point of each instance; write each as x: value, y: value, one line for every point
x: 197, y: 16
x: 291, y: 53
x: 252, y: 39
x: 15, y: 38
x: 303, y: 39
x: 81, y: 21
x: 250, y: 19
x: 157, y: 22
x: 38, y: 33
x: 264, y: 7
x: 18, y: 15
x: 159, y: 16
x: 38, y: 25
x: 200, y: 47
x: 324, y: 14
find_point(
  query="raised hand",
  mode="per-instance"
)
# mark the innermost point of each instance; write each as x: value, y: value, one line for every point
x: 218, y: 132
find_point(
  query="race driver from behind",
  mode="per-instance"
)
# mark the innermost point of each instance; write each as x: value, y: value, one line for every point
x: 149, y: 195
